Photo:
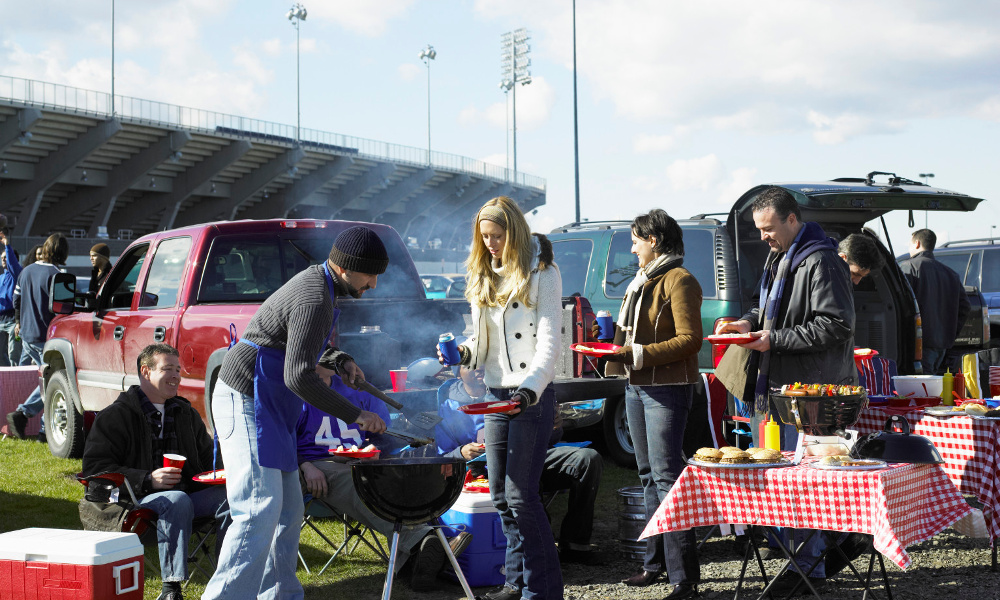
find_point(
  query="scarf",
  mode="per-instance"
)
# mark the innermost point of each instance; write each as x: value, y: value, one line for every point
x: 633, y: 294
x: 810, y: 239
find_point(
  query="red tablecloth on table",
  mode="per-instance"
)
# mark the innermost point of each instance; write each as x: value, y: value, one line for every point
x: 970, y: 448
x: 899, y: 505
x: 16, y: 384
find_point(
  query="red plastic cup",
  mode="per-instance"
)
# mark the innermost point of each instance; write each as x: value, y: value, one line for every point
x: 174, y: 460
x: 398, y: 377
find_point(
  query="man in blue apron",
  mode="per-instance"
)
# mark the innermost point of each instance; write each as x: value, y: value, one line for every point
x: 256, y: 404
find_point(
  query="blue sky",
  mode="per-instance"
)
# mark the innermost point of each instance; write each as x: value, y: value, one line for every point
x: 682, y: 105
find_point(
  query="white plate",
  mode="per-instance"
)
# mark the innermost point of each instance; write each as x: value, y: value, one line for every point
x: 750, y: 465
x: 874, y: 467
x: 943, y: 411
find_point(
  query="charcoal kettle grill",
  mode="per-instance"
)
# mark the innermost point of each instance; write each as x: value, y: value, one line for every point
x: 411, y: 491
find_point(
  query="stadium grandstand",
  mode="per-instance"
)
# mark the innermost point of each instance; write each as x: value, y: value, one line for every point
x: 71, y: 162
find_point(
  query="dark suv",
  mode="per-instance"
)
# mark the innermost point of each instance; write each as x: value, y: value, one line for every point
x: 977, y: 263
x: 726, y: 255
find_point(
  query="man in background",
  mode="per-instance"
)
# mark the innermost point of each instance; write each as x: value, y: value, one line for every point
x: 940, y: 297
x: 31, y: 311
x: 10, y: 352
x: 862, y: 255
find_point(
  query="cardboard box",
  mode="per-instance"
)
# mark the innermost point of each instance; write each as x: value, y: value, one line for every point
x: 483, y: 561
x: 64, y: 564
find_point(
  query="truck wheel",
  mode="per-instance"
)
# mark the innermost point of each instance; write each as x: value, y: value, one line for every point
x: 616, y: 435
x: 63, y: 425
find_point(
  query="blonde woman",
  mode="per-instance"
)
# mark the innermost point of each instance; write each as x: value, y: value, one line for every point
x: 515, y: 291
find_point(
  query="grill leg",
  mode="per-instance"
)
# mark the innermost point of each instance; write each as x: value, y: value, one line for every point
x: 454, y: 564
x: 387, y: 590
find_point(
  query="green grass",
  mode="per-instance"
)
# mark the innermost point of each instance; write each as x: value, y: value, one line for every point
x: 39, y: 490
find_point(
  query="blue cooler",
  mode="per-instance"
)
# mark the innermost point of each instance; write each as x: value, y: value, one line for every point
x: 483, y: 561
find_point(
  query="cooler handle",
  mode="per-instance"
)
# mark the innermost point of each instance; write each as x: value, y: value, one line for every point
x: 117, y: 573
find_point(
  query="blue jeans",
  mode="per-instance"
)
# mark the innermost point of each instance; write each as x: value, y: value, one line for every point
x: 177, y: 511
x: 578, y: 470
x: 657, y: 415
x: 34, y: 404
x: 259, y: 555
x: 12, y: 357
x: 931, y: 360
x: 515, y: 455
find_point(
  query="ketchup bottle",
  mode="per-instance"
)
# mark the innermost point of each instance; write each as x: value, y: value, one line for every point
x: 958, y: 384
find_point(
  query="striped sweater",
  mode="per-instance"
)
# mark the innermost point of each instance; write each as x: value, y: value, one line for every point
x: 296, y: 320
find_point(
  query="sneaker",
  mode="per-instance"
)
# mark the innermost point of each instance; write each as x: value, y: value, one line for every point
x: 430, y: 561
x: 459, y: 543
x: 16, y: 422
x: 790, y: 584
x: 41, y: 438
x: 501, y: 593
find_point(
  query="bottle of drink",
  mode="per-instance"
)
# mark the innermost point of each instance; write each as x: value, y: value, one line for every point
x: 947, y: 381
x: 772, y: 435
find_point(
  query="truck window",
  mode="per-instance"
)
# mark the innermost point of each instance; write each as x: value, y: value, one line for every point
x: 621, y: 267
x: 573, y: 259
x: 958, y: 262
x: 120, y: 287
x: 699, y: 259
x: 991, y: 271
x: 164, y: 279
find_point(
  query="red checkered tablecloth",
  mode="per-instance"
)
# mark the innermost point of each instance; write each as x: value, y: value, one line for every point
x: 970, y: 448
x: 899, y: 505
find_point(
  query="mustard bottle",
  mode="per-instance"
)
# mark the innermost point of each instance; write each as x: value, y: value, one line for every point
x: 947, y: 383
x: 772, y: 435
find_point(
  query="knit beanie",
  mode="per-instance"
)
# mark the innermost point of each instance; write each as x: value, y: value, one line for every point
x: 101, y: 249
x: 359, y: 249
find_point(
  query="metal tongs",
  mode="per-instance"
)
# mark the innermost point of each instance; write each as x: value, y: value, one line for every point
x: 423, y: 420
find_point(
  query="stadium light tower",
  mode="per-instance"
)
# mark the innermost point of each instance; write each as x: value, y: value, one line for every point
x: 427, y: 55
x: 296, y: 14
x: 514, y: 69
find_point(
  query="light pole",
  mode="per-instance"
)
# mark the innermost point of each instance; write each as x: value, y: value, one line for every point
x: 514, y: 69
x: 296, y: 14
x: 112, y: 58
x: 427, y: 55
x: 576, y: 129
x: 925, y: 177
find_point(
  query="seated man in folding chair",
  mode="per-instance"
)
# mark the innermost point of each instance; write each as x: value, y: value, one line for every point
x: 328, y: 479
x: 131, y: 437
x: 566, y: 466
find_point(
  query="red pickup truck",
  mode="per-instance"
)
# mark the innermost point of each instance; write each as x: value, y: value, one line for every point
x: 189, y: 287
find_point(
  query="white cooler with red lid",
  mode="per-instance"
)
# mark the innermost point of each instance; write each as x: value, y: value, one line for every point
x: 65, y: 564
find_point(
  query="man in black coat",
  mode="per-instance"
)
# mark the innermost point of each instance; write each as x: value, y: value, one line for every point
x: 132, y: 435
x: 940, y: 297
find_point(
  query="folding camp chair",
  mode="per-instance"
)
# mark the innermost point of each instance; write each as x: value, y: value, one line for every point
x: 142, y: 522
x: 353, y: 532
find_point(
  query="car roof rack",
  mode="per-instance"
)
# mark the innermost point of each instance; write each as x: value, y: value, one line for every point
x: 701, y: 216
x: 591, y: 225
x: 990, y: 240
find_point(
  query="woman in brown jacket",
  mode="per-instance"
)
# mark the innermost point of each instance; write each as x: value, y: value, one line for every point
x: 659, y: 331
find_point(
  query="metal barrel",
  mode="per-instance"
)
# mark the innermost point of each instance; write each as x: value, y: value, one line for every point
x: 631, y: 522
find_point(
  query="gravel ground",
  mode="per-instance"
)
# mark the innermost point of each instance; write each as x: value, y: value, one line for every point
x: 944, y: 567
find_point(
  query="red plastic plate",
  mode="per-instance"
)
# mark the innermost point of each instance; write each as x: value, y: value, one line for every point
x: 865, y: 352
x: 595, y: 349
x: 354, y: 453
x: 485, y: 408
x: 730, y: 338
x: 211, y: 477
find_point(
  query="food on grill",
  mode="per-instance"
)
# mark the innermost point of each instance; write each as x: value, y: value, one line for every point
x: 710, y: 455
x: 821, y: 389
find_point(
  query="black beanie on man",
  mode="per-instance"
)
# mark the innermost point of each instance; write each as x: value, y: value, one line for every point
x: 359, y: 249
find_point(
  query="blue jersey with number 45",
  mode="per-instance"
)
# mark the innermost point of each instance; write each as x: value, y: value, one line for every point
x: 318, y: 432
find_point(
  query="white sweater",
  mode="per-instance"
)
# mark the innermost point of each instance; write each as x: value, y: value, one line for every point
x: 518, y: 346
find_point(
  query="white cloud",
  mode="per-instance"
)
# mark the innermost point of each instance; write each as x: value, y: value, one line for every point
x: 365, y: 18
x: 834, y: 130
x: 737, y: 182
x: 408, y: 71
x: 988, y: 109
x: 534, y: 108
x: 647, y: 184
x: 695, y: 174
x: 653, y: 144
x: 271, y: 47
